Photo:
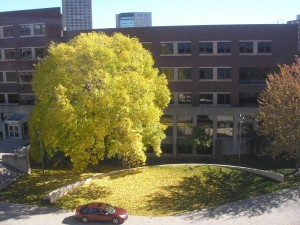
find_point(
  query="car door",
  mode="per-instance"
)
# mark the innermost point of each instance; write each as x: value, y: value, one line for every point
x: 100, y: 215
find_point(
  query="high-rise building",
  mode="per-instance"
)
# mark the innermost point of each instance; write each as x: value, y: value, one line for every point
x: 297, y: 21
x: 134, y: 19
x: 77, y: 14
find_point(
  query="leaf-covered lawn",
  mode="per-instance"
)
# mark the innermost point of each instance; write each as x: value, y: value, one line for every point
x: 158, y: 191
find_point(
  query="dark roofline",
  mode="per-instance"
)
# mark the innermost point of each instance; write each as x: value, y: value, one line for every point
x: 30, y: 10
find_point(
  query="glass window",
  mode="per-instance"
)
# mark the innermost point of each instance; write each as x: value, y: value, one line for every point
x: 205, y: 73
x: 0, y: 54
x: 166, y: 48
x: 25, y: 76
x: 246, y: 47
x: 225, y: 126
x: 167, y: 120
x: 40, y: 53
x: 184, y: 73
x: 224, y: 47
x: 223, y: 99
x: 147, y: 46
x: 26, y: 53
x: 172, y: 98
x: 1, y: 77
x: 248, y: 98
x: 184, y: 98
x: 205, y: 122
x: 8, y: 31
x: 11, y: 76
x: 13, y: 98
x: 184, y: 125
x: 2, y: 98
x: 169, y: 72
x: 184, y: 48
x: 264, y: 47
x: 255, y: 75
x: 25, y: 30
x: 27, y: 99
x: 205, y: 47
x: 39, y: 29
x: 167, y: 148
x: 206, y: 98
x: 10, y: 54
x: 224, y: 74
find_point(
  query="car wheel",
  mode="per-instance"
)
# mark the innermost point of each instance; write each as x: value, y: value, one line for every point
x: 84, y: 219
x: 115, y: 220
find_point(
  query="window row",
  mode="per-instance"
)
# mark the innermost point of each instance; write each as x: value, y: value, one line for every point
x: 248, y: 99
x: 215, y: 47
x: 16, y: 76
x: 25, y: 30
x: 26, y: 53
x: 15, y: 98
x: 224, y: 124
x: 203, y: 98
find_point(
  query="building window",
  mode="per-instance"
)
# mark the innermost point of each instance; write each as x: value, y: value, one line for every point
x: 169, y: 72
x: 2, y: 98
x: 166, y: 48
x: 224, y: 126
x: 39, y: 29
x: 6, y: 32
x: 205, y: 122
x: 26, y: 53
x: 184, y: 73
x: 206, y: 98
x: 25, y: 30
x: 9, y: 54
x: 223, y: 73
x: 205, y: 47
x: 25, y: 76
x: 1, y: 77
x: 205, y: 73
x: 168, y: 121
x: 184, y: 48
x: 13, y: 98
x: 223, y: 99
x: 40, y: 53
x: 264, y: 47
x: 147, y: 46
x: 248, y: 99
x: 255, y: 75
x: 11, y: 77
x: 184, y: 99
x: 224, y: 47
x: 184, y: 125
x: 27, y: 99
x: 172, y: 99
x: 246, y: 47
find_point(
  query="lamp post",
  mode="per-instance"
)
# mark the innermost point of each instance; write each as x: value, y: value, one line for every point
x: 240, y: 120
x: 42, y: 155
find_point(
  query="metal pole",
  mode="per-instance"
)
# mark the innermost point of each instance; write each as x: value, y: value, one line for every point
x: 42, y: 158
x: 240, y: 138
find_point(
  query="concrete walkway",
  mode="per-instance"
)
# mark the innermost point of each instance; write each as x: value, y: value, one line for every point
x: 280, y: 208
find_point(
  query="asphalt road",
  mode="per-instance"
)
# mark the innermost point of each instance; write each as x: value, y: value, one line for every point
x: 281, y: 208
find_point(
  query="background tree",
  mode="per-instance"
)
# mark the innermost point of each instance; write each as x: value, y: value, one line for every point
x: 279, y: 111
x: 98, y: 97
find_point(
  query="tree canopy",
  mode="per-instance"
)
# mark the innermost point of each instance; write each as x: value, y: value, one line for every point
x: 279, y: 110
x: 98, y: 97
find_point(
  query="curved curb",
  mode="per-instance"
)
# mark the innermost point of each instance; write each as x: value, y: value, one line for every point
x: 56, y: 194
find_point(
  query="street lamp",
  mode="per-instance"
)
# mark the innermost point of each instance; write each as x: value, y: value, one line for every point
x: 42, y: 155
x: 240, y: 120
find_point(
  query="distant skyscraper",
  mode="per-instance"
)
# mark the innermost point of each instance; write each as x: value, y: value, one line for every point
x: 77, y: 14
x: 297, y: 21
x: 134, y: 19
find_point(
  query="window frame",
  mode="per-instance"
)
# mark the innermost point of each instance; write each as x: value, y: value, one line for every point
x: 173, y: 47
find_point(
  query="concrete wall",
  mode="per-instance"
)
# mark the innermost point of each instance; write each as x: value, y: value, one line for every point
x: 18, y: 162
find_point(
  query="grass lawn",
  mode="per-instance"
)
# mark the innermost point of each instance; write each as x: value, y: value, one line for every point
x: 149, y: 191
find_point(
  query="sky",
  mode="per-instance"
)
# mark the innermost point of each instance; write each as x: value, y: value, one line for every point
x: 179, y: 12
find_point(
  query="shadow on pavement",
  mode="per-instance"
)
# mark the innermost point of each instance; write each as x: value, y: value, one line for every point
x: 71, y: 220
x: 246, y: 208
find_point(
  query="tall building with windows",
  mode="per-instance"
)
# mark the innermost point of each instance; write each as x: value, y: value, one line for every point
x: 297, y: 21
x: 77, y: 14
x: 134, y: 19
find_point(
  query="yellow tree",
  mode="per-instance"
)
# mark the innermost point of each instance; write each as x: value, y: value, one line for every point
x: 279, y: 111
x: 98, y: 97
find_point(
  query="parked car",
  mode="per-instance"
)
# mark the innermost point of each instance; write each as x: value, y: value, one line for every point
x: 97, y: 211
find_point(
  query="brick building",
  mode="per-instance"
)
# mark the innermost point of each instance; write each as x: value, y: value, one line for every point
x: 215, y: 75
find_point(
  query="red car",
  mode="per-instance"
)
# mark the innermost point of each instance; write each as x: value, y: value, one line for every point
x: 101, y: 212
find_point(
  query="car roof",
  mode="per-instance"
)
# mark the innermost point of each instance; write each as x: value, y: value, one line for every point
x: 95, y: 205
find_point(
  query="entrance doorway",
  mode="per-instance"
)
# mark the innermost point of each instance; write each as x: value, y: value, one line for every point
x: 13, y: 131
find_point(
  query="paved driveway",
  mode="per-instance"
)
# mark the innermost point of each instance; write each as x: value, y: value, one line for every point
x: 281, y: 208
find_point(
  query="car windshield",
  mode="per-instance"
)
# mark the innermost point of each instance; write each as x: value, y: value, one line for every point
x: 110, y: 209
